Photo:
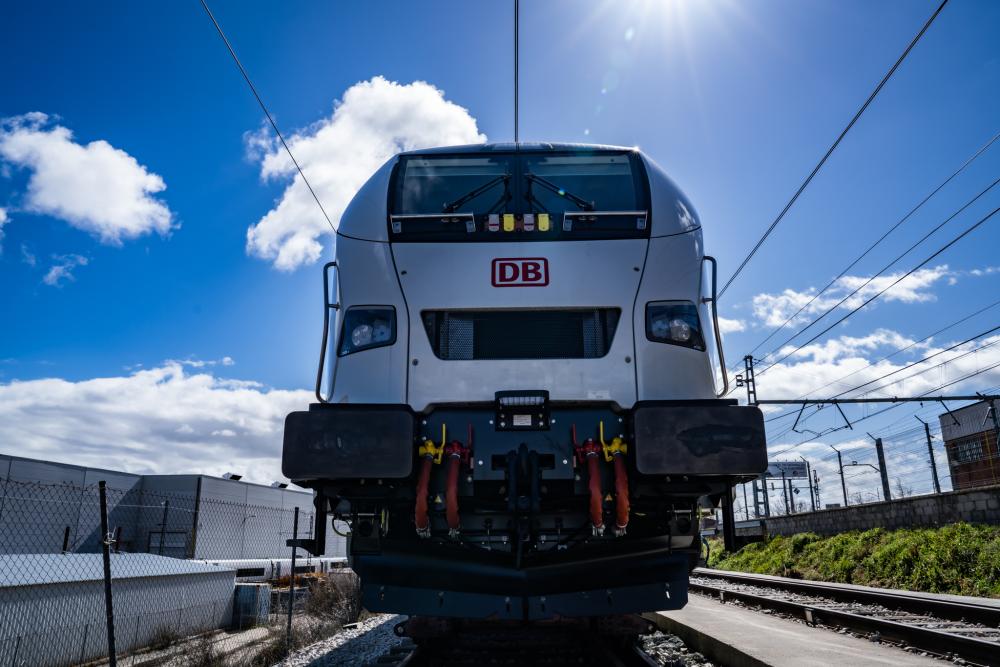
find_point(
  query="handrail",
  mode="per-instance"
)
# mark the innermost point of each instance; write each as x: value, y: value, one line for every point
x: 714, y: 299
x: 327, y: 307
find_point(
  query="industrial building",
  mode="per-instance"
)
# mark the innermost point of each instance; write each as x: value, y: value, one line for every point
x: 970, y: 440
x: 54, y: 613
x: 48, y: 507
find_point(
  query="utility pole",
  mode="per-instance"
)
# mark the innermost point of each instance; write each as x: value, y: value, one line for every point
x: 930, y: 454
x: 748, y: 379
x: 815, y: 485
x: 746, y: 506
x: 812, y: 492
x: 843, y: 483
x: 761, y: 504
x: 883, y: 473
x: 784, y: 491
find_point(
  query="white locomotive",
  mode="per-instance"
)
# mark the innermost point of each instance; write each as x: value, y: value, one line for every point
x: 522, y: 411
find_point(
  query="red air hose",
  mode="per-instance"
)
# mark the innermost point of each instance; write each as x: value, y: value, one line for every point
x: 423, y: 481
x: 596, y: 501
x: 451, y: 493
x: 621, y: 493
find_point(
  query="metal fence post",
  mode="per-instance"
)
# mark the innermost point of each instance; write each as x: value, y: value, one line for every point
x: 163, y: 525
x: 106, y: 552
x: 291, y: 585
x: 83, y: 645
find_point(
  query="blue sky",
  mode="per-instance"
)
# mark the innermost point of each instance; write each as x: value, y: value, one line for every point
x: 736, y: 100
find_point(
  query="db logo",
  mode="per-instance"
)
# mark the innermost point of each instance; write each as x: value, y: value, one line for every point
x: 521, y: 272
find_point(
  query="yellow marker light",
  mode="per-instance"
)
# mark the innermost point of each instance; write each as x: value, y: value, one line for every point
x: 543, y: 222
x: 508, y: 222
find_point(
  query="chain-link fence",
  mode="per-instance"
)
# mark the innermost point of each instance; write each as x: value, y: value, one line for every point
x: 99, y: 575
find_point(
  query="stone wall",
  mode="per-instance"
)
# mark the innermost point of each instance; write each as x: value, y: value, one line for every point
x: 980, y: 505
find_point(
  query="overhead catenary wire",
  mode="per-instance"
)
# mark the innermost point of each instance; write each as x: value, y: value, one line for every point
x: 833, y: 147
x: 517, y: 49
x: 869, y: 364
x: 270, y: 118
x: 920, y: 265
x: 815, y: 437
x: 982, y: 149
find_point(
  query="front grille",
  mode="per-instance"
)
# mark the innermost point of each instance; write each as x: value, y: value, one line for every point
x: 521, y: 334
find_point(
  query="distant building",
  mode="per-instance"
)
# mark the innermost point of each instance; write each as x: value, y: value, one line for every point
x: 46, y: 505
x: 971, y: 445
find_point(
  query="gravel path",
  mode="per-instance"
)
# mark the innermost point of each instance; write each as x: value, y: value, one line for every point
x: 349, y: 648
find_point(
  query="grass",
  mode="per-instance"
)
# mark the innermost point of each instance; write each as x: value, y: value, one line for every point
x: 959, y: 558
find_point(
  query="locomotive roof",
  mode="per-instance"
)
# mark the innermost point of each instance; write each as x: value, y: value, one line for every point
x: 526, y: 147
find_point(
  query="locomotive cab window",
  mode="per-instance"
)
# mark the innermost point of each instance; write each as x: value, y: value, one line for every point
x: 523, y: 196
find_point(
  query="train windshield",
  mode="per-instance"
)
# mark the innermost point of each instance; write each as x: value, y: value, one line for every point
x: 526, y: 196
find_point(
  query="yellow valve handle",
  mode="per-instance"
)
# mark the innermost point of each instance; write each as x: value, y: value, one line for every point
x: 616, y: 448
x: 436, y: 452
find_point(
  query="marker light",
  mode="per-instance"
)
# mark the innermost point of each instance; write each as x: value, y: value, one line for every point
x: 675, y: 323
x: 367, y: 327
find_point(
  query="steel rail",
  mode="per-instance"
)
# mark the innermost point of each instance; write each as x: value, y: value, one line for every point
x: 934, y: 641
x: 953, y: 610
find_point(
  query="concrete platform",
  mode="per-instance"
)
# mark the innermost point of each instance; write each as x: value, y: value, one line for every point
x: 737, y: 637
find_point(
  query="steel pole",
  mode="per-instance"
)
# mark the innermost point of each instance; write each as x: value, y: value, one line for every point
x: 291, y: 585
x: 930, y: 454
x: 784, y: 491
x: 843, y: 482
x: 812, y: 493
x: 109, y: 607
x: 886, y: 493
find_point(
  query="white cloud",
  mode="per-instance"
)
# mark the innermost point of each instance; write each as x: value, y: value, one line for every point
x: 160, y: 420
x: 773, y: 309
x: 817, y: 365
x: 27, y: 256
x: 727, y: 325
x: 63, y: 269
x: 95, y: 187
x: 203, y: 363
x: 3, y: 221
x: 374, y: 120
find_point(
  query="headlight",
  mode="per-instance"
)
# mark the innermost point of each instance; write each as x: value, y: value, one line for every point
x: 674, y: 322
x: 367, y: 327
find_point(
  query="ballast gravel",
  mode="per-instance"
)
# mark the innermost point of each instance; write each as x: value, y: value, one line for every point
x: 374, y: 638
x: 670, y: 651
x: 351, y: 647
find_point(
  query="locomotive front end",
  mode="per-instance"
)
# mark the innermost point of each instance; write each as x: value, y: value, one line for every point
x: 518, y: 413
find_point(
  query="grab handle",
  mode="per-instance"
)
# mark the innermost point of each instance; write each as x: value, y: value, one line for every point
x: 715, y: 324
x: 327, y: 307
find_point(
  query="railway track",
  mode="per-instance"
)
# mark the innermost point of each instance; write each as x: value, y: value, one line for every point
x: 946, y: 627
x: 521, y: 645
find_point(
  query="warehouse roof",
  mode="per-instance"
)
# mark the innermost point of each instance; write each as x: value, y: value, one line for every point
x: 40, y: 569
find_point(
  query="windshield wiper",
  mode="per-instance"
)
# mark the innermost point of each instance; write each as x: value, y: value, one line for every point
x: 453, y: 206
x: 580, y: 202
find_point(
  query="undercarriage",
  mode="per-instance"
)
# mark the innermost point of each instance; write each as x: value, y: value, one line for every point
x: 522, y: 509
